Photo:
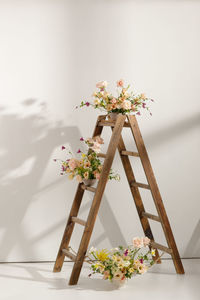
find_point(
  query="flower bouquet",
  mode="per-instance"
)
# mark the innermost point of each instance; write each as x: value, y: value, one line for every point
x: 122, y: 263
x: 124, y: 103
x: 87, y: 168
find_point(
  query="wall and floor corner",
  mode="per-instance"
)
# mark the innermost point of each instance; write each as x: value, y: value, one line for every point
x: 51, y: 56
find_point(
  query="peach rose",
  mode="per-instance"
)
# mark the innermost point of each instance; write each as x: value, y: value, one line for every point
x: 138, y: 242
x: 101, y: 84
x: 146, y: 241
x: 79, y: 178
x: 106, y: 274
x: 126, y: 104
x: 97, y: 176
x: 98, y: 139
x: 120, y: 83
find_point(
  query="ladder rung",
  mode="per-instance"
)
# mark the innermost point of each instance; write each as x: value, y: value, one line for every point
x: 101, y: 155
x: 69, y: 254
x: 131, y: 153
x: 79, y: 221
x: 142, y: 185
x: 111, y: 123
x: 88, y: 188
x: 161, y: 247
x: 150, y: 216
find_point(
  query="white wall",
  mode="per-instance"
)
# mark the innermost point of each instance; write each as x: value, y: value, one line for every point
x: 52, y: 53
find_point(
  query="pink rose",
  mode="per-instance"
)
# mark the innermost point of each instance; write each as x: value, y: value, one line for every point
x: 72, y: 164
x: 120, y: 83
x: 101, y: 84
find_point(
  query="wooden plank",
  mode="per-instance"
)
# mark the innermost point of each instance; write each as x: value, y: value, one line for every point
x: 150, y: 216
x: 69, y: 254
x: 97, y: 200
x: 130, y: 153
x: 101, y: 155
x: 161, y: 247
x: 78, y: 221
x: 68, y: 229
x: 88, y: 188
x: 112, y: 123
x: 136, y: 194
x: 141, y: 185
x: 155, y: 193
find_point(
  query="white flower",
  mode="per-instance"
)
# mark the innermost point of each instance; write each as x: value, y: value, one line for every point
x: 92, y: 249
x: 153, y: 252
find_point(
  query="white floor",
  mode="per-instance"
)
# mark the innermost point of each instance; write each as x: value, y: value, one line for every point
x: 28, y: 281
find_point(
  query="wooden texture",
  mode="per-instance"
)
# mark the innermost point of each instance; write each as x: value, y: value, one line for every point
x: 155, y: 193
x: 88, y: 188
x: 97, y: 200
x: 135, y: 193
x: 150, y: 216
x: 69, y: 254
x: 129, y: 153
x: 161, y: 247
x: 141, y: 185
x: 111, y: 123
x: 69, y: 229
x: 78, y: 221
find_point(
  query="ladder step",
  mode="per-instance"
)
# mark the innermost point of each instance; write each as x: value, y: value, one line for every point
x: 88, y: 188
x: 111, y: 123
x: 130, y: 153
x: 79, y: 221
x: 142, y: 185
x: 161, y: 247
x: 101, y: 155
x: 69, y: 254
x: 150, y: 216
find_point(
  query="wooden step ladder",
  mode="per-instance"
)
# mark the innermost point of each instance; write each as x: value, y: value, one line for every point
x: 116, y: 141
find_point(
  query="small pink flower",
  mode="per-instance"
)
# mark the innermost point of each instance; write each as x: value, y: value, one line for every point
x: 114, y: 100
x: 81, y: 139
x: 138, y: 113
x: 79, y: 151
x: 120, y: 83
x: 87, y: 103
x: 72, y: 164
x: 63, y: 147
x: 97, y: 176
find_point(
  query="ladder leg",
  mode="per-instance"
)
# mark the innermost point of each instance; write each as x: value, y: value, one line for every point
x: 97, y: 200
x: 136, y: 194
x: 69, y: 229
x: 156, y: 194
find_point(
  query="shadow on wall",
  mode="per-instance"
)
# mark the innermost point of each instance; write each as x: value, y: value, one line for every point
x: 26, y: 148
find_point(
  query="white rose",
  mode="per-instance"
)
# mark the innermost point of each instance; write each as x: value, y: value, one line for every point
x: 126, y: 104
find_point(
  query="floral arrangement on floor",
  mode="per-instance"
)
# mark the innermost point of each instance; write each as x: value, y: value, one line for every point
x: 125, y: 102
x: 122, y: 263
x: 89, y: 166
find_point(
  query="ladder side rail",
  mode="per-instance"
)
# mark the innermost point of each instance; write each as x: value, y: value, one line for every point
x: 155, y: 193
x: 97, y: 200
x: 136, y: 194
x: 68, y: 229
